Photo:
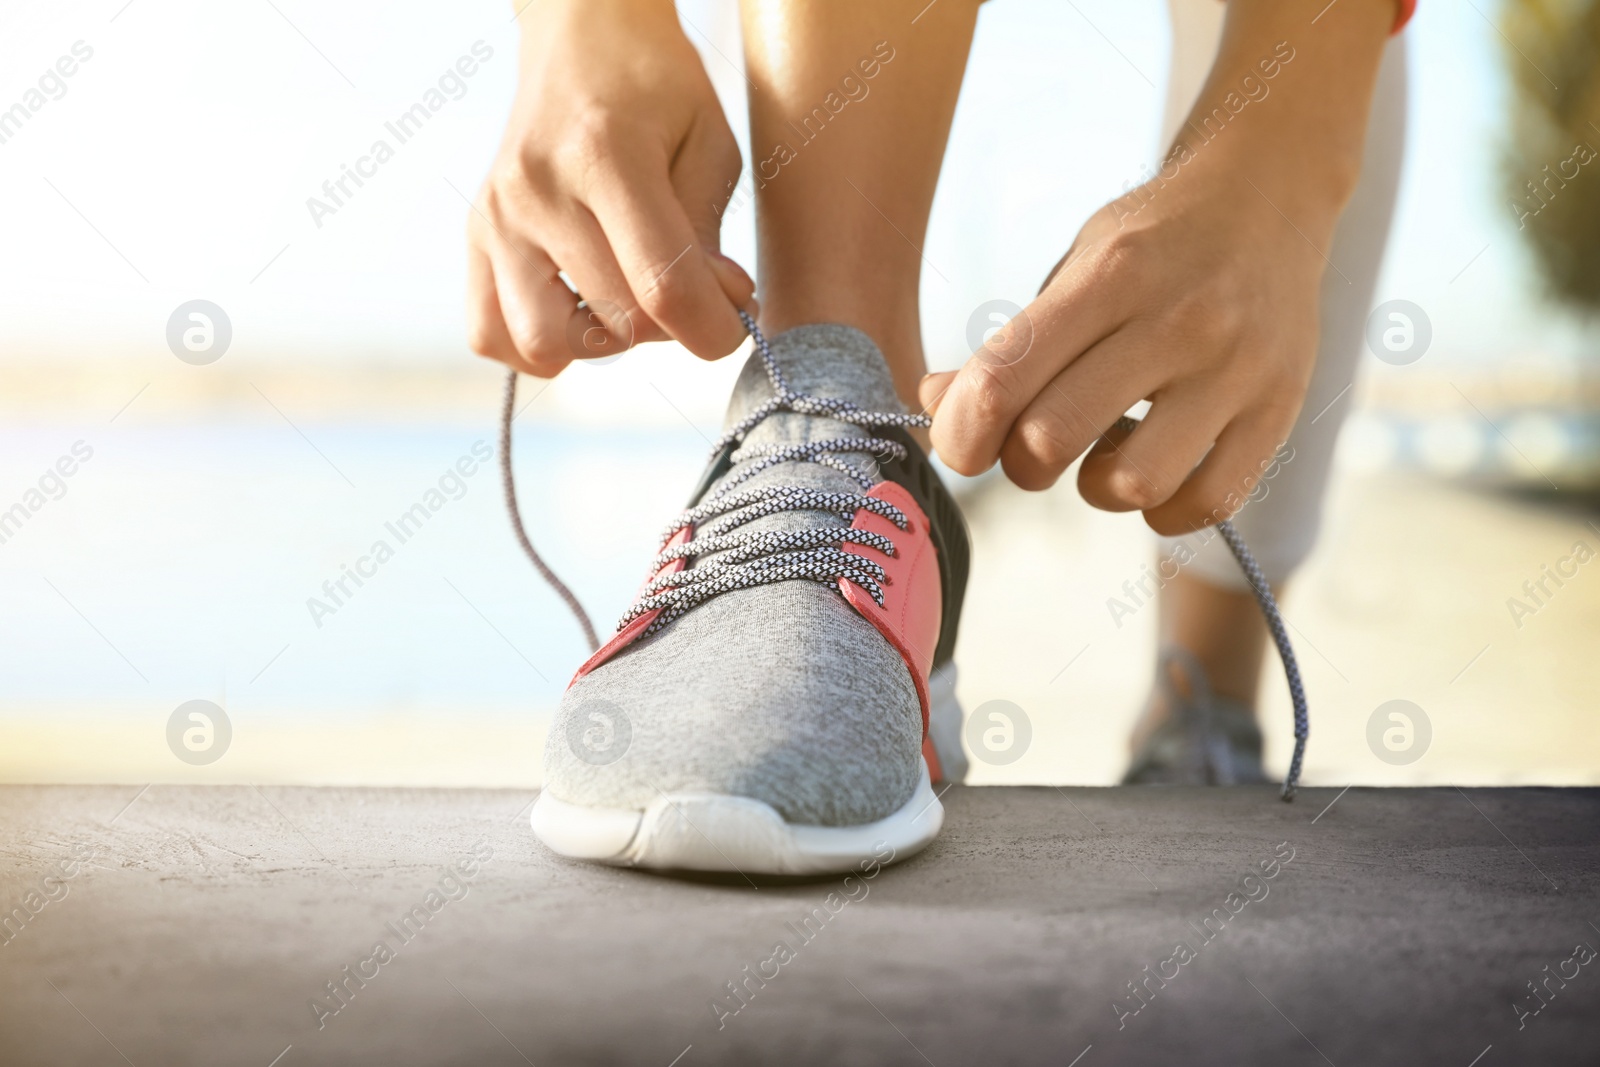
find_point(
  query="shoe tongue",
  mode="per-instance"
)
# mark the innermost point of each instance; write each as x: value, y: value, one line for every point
x: 824, y: 360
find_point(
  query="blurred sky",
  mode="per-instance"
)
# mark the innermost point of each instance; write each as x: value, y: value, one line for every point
x: 194, y: 136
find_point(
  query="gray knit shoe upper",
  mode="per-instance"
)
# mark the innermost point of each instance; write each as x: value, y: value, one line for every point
x: 781, y: 692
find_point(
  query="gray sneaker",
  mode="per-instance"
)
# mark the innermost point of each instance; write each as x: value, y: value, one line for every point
x: 764, y: 705
x: 1205, y: 739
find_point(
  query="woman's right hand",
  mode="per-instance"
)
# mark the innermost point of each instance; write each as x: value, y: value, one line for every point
x: 616, y: 166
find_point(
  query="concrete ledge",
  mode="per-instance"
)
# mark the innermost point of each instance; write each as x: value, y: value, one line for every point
x: 1394, y: 927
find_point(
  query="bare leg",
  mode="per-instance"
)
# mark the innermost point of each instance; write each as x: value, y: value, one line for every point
x: 1223, y: 630
x: 850, y: 109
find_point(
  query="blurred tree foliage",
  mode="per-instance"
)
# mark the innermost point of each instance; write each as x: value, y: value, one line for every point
x: 1552, y: 158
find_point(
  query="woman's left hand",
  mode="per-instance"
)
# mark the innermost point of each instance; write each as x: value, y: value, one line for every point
x: 1197, y: 294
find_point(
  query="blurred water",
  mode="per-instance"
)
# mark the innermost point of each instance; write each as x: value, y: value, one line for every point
x: 192, y: 550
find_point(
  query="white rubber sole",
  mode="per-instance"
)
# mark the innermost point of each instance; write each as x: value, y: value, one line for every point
x: 715, y: 832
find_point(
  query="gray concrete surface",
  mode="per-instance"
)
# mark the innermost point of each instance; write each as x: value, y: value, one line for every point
x: 209, y: 920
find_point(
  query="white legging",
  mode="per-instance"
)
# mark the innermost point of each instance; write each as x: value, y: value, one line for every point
x: 1281, y: 525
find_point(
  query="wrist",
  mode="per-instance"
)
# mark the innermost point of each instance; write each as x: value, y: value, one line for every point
x: 1214, y: 199
x: 1271, y: 176
x: 1283, y: 113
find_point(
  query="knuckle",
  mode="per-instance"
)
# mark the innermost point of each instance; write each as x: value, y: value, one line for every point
x: 515, y: 201
x: 511, y: 177
x: 599, y: 329
x: 588, y: 138
x: 1046, y: 437
x: 595, y: 124
x: 623, y: 327
x: 542, y: 349
x: 1027, y: 472
x: 533, y: 343
x: 667, y: 290
x: 988, y: 395
x: 1122, y: 251
x: 1135, y: 489
x: 1203, y: 317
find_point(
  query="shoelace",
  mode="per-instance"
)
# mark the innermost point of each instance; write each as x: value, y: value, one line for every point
x: 817, y: 554
x: 752, y: 558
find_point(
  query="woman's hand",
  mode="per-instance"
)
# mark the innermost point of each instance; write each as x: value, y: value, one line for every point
x: 615, y: 167
x: 1204, y: 301
x: 1197, y: 292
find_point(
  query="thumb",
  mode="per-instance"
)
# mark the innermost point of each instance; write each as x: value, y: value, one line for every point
x: 705, y: 176
x: 737, y: 284
x: 931, y: 390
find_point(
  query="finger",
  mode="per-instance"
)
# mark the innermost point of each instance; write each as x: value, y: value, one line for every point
x: 597, y: 331
x: 535, y: 305
x: 1146, y: 469
x: 704, y: 174
x: 737, y: 285
x: 1225, y: 479
x: 1068, y: 258
x: 700, y: 177
x: 1076, y: 408
x: 577, y: 241
x: 486, y: 328
x: 931, y: 390
x: 665, y: 264
x: 1002, y: 378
